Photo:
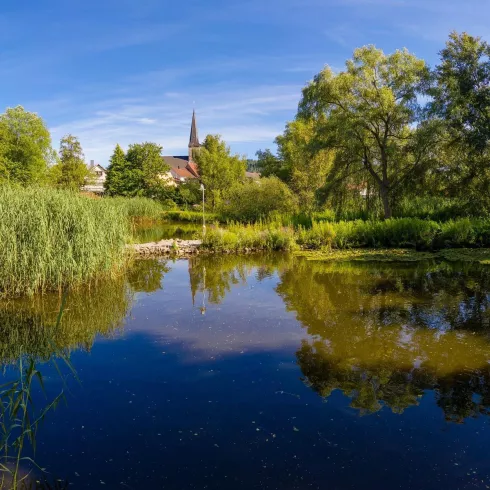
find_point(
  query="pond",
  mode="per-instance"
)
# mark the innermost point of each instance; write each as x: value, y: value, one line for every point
x: 261, y: 371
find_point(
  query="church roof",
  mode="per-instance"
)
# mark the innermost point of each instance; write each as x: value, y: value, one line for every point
x: 179, y: 165
x: 194, y: 139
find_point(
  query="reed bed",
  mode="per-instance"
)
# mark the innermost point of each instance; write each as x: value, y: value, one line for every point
x: 52, y: 238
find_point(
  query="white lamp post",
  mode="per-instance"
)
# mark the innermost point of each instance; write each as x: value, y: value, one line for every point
x: 203, y: 217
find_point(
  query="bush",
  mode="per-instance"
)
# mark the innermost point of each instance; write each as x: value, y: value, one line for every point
x: 253, y: 201
x: 52, y: 238
x: 253, y: 237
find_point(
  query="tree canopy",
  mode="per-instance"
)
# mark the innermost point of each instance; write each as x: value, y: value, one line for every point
x: 218, y: 168
x: 71, y: 172
x: 25, y: 147
x: 139, y: 172
x: 366, y: 115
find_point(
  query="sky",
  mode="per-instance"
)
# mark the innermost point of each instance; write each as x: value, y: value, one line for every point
x: 129, y: 71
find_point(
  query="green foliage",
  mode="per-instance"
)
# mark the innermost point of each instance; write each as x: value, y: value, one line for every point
x: 307, y: 166
x: 461, y: 93
x: 364, y: 113
x: 269, y: 165
x: 71, y: 171
x: 252, y: 201
x: 25, y: 147
x: 137, y: 208
x: 52, y: 238
x: 141, y: 172
x: 189, y: 216
x: 218, y: 168
x: 403, y: 232
x: 116, y: 180
x: 189, y: 193
x: 249, y: 237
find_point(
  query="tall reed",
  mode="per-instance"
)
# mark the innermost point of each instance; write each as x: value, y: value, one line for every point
x: 51, y: 238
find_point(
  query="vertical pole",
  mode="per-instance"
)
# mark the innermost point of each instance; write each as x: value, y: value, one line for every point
x: 203, y: 216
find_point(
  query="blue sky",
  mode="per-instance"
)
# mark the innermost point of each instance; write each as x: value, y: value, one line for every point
x: 127, y: 71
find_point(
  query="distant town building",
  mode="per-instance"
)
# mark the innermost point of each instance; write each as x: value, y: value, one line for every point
x: 99, y: 174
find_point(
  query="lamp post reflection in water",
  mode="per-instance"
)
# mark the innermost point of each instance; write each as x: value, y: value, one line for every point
x: 202, y: 308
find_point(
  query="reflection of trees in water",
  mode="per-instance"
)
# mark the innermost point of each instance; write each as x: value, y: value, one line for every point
x: 146, y: 275
x: 28, y: 325
x: 33, y: 332
x: 460, y: 394
x: 384, y: 334
x: 216, y: 274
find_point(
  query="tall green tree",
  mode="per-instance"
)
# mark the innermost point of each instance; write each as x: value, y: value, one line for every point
x: 25, y: 147
x: 71, y: 172
x: 145, y: 171
x: 115, y: 183
x: 307, y: 166
x: 366, y: 114
x: 460, y: 93
x: 218, y: 168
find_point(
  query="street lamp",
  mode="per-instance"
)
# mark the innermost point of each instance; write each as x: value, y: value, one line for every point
x: 203, y: 217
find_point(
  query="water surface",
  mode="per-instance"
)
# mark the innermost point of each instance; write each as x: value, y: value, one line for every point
x: 264, y: 372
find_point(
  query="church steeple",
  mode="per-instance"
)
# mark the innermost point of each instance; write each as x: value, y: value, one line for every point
x: 194, y: 139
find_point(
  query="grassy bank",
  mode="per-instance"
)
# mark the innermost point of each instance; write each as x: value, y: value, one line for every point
x: 405, y: 233
x: 413, y: 233
x: 51, y: 238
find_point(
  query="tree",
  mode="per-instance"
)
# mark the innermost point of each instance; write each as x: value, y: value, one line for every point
x: 254, y: 200
x: 145, y: 171
x: 461, y: 90
x: 116, y: 183
x: 25, y: 147
x: 460, y: 93
x: 71, y: 172
x: 218, y: 169
x: 307, y: 167
x: 366, y: 114
x: 270, y: 165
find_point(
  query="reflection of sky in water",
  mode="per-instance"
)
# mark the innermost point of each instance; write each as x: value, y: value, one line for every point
x: 251, y: 318
x: 266, y: 390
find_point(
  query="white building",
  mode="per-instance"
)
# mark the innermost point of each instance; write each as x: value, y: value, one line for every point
x: 97, y: 182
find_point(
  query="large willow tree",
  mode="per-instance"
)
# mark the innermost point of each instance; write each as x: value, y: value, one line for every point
x: 366, y: 114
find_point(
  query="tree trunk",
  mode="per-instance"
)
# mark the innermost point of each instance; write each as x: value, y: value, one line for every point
x: 386, y: 202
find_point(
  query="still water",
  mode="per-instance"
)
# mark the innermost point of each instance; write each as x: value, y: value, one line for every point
x: 262, y: 372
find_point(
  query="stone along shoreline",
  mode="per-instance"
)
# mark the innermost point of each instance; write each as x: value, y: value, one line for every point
x: 167, y: 247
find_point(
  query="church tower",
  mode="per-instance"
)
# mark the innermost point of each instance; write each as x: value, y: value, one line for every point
x: 193, y: 139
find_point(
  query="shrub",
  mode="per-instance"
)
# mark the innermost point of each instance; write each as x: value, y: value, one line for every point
x: 253, y: 201
x: 254, y: 237
x: 52, y: 238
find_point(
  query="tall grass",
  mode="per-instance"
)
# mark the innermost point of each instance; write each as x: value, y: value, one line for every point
x: 51, y: 238
x: 137, y: 208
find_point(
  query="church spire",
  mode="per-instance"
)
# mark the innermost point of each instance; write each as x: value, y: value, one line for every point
x: 194, y: 139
